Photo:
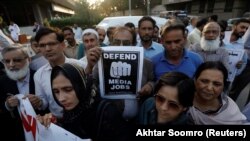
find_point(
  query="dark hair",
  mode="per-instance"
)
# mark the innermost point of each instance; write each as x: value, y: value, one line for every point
x: 223, y: 25
x: 173, y: 25
x: 242, y: 20
x: 78, y: 80
x: 146, y: 18
x: 213, y: 65
x: 46, y: 31
x: 67, y: 28
x: 214, y: 18
x: 130, y: 25
x: 123, y: 28
x: 184, y: 84
x: 201, y: 22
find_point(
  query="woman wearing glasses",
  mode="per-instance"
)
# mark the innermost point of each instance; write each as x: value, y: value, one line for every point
x: 211, y: 105
x: 174, y: 94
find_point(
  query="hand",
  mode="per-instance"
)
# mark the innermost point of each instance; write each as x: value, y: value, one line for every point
x: 35, y: 101
x: 239, y: 64
x: 93, y: 56
x: 12, y: 101
x: 119, y: 69
x: 46, y: 119
x: 145, y: 90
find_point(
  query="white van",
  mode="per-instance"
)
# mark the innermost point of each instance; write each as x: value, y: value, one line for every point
x: 122, y: 20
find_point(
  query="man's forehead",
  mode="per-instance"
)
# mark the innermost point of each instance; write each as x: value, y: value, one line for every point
x: 89, y: 36
x: 48, y: 37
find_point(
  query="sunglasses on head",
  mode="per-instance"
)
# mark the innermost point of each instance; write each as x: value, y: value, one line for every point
x: 170, y: 104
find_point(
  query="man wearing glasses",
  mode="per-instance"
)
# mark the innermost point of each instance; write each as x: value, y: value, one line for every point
x: 51, y: 45
x: 17, y: 80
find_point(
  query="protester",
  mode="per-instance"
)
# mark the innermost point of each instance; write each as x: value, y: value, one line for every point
x: 175, y: 57
x: 17, y: 80
x: 83, y: 114
x: 211, y: 105
x: 146, y: 30
x: 174, y: 93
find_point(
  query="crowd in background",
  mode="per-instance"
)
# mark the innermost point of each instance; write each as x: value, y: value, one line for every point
x: 184, y: 77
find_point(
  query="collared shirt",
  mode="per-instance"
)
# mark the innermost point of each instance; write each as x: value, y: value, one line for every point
x: 43, y: 86
x: 153, y: 50
x: 236, y: 45
x: 71, y: 51
x: 188, y: 64
x: 23, y: 86
x: 190, y: 28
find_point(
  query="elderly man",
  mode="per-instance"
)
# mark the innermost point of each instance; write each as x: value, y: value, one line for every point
x: 17, y: 80
x: 209, y: 46
x: 175, y: 57
x: 90, y: 39
x: 71, y: 44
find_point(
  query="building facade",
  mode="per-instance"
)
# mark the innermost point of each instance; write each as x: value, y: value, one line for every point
x: 225, y: 9
x: 26, y: 12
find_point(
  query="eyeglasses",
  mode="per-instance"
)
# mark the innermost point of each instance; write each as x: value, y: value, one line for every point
x: 14, y: 60
x: 50, y: 44
x: 171, y: 104
x: 118, y: 42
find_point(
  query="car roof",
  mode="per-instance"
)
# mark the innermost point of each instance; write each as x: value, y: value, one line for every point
x: 122, y: 20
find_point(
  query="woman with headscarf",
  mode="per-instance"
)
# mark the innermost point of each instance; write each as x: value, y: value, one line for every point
x: 83, y: 115
x: 211, y: 105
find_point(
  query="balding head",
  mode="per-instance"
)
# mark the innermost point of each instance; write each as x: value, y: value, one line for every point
x: 210, y: 40
x: 211, y: 31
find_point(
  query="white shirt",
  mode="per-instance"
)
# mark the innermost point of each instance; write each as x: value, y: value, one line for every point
x: 78, y: 33
x: 194, y: 37
x: 43, y: 86
x: 14, y: 31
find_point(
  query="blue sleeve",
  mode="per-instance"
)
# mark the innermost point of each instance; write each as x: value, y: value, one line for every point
x: 80, y: 52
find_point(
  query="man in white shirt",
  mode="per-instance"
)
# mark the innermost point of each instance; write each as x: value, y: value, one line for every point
x: 78, y: 32
x: 51, y: 45
x: 14, y: 31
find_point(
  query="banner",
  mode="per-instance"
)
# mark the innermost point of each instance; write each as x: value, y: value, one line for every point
x: 34, y: 131
x: 120, y: 72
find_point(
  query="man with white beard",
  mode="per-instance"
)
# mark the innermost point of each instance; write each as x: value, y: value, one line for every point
x: 209, y: 46
x: 17, y: 80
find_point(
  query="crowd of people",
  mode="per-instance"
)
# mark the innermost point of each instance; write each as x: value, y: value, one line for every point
x: 184, y: 77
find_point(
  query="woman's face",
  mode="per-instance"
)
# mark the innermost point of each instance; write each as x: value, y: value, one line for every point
x: 167, y: 104
x: 64, y: 92
x: 209, y: 85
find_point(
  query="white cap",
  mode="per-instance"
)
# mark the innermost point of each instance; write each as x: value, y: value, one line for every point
x: 89, y: 30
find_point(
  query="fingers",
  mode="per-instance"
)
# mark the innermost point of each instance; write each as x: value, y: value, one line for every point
x: 34, y: 100
x: 12, y: 101
x: 45, y: 120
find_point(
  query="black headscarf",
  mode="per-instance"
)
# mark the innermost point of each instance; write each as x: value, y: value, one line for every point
x: 80, y: 115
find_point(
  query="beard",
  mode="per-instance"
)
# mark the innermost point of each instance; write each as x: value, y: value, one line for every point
x: 18, y: 74
x: 146, y: 38
x: 210, y: 45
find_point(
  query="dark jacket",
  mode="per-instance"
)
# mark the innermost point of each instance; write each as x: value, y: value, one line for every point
x: 14, y: 130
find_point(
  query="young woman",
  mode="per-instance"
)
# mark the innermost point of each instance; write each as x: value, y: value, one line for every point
x: 83, y: 115
x: 174, y: 94
x: 211, y: 105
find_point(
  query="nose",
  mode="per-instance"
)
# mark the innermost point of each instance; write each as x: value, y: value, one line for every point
x: 210, y: 86
x: 61, y: 97
x: 164, y: 106
x: 11, y: 64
